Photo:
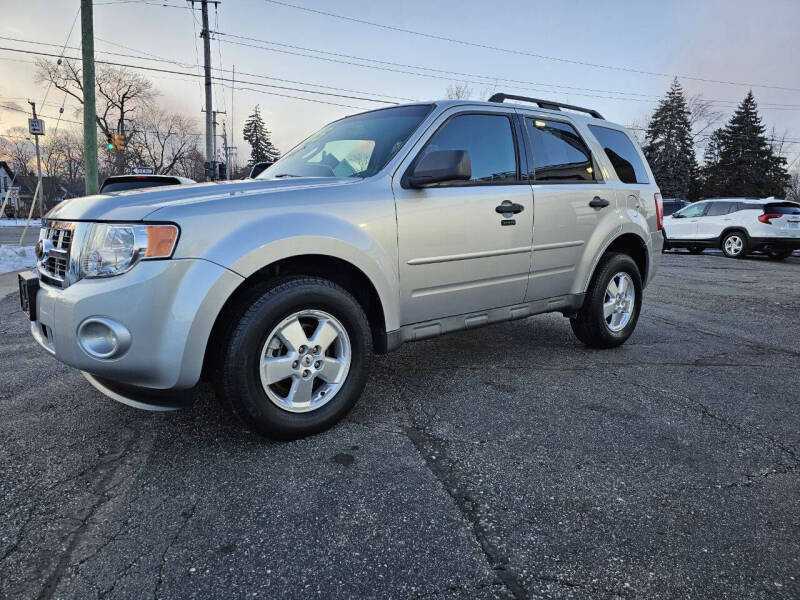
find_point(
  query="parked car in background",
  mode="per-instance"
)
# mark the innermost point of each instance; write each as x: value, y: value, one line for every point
x: 385, y: 227
x: 120, y: 183
x: 737, y: 226
x: 672, y: 205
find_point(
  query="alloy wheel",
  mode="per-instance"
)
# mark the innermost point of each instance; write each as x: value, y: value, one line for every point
x: 619, y: 302
x: 305, y: 361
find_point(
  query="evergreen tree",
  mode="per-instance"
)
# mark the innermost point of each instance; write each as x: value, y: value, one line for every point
x: 710, y: 184
x: 258, y: 136
x: 741, y: 161
x: 668, y: 144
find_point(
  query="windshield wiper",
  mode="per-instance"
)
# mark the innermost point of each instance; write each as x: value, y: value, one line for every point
x: 278, y: 176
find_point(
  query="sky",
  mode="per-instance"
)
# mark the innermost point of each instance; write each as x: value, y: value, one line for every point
x: 615, y: 56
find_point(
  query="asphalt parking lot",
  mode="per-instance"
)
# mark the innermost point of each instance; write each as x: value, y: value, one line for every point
x: 506, y: 462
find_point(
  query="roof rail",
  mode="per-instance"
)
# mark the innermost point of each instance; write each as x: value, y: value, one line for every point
x: 499, y: 97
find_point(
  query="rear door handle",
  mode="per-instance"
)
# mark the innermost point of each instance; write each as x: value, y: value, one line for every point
x: 598, y: 202
x: 509, y: 207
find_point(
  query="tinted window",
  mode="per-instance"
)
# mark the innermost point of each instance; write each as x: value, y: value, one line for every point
x: 695, y: 210
x: 488, y: 140
x: 119, y: 186
x: 783, y: 209
x: 559, y: 154
x: 716, y: 209
x: 622, y: 154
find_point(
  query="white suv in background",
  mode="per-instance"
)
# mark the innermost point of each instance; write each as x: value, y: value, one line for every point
x: 737, y: 226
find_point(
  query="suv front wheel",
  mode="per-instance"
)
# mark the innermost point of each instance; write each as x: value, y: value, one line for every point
x: 612, y: 303
x: 298, y: 358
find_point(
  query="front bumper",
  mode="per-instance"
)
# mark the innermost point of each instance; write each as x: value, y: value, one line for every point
x: 169, y: 308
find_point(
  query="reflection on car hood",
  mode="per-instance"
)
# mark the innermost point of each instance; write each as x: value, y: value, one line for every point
x: 135, y: 205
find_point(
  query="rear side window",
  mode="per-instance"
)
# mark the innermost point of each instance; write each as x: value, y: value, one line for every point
x: 622, y: 154
x: 488, y: 140
x: 559, y: 153
x: 716, y: 209
x: 782, y: 209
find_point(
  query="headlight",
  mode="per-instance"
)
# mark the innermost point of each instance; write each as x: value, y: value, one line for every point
x: 112, y: 249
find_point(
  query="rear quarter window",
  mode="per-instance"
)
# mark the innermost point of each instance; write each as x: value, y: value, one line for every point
x: 782, y: 209
x: 622, y: 153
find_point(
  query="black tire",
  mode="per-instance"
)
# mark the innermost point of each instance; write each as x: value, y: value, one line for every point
x: 240, y: 379
x: 779, y: 254
x: 589, y: 325
x: 745, y: 247
x: 695, y: 250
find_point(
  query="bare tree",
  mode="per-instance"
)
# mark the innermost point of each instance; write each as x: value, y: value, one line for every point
x: 121, y: 95
x: 163, y: 140
x: 18, y: 150
x: 703, y: 117
x: 793, y: 188
x: 459, y: 91
x: 191, y: 164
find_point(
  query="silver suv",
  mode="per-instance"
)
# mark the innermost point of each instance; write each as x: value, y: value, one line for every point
x: 384, y: 227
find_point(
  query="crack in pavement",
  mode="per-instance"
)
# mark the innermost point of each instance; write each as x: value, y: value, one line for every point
x: 691, y: 403
x: 107, y: 469
x: 751, y: 478
x: 187, y: 516
x: 432, y: 450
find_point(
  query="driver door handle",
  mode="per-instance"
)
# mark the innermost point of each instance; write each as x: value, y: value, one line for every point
x: 509, y: 207
x: 598, y: 202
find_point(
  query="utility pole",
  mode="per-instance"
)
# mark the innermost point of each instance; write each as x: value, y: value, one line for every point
x: 205, y: 34
x: 225, y: 150
x: 89, y: 110
x: 213, y: 155
x: 38, y: 165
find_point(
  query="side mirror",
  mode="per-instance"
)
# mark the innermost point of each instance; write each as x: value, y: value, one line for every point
x: 440, y: 166
x: 259, y: 167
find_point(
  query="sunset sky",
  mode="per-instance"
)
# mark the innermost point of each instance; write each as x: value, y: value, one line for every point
x: 749, y: 44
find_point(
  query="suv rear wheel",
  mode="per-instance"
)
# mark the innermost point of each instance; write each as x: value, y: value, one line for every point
x: 734, y: 245
x: 612, y: 303
x: 779, y: 254
x: 297, y: 360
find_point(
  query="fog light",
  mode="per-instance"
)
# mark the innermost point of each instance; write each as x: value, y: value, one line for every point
x: 103, y: 338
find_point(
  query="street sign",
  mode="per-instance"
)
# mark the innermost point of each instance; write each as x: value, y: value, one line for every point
x: 36, y: 126
x: 143, y: 171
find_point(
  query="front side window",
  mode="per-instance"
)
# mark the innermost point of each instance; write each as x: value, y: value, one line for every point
x: 716, y: 209
x: 621, y: 152
x: 357, y: 146
x: 489, y: 141
x: 695, y: 210
x: 559, y: 153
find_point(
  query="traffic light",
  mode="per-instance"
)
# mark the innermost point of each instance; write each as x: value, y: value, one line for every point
x: 116, y: 141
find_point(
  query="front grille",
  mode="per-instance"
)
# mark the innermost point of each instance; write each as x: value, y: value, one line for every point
x: 56, y: 239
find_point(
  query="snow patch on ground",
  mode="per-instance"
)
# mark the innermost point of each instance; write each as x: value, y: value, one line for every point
x: 35, y: 223
x: 16, y: 258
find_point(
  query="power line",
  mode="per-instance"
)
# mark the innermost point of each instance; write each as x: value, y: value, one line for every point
x: 491, y: 80
x: 523, y: 52
x: 170, y: 71
x: 156, y: 58
x: 63, y: 49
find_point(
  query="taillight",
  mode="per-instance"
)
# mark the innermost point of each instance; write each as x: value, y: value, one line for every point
x: 659, y: 212
x: 767, y: 217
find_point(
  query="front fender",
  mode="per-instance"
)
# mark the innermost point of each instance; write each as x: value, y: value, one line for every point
x: 262, y: 242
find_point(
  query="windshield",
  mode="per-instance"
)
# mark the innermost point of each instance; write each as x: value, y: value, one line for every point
x: 357, y: 146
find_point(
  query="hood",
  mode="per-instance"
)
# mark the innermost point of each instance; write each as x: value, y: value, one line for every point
x: 136, y: 205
